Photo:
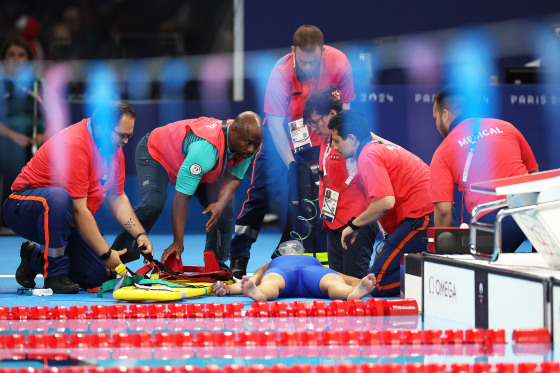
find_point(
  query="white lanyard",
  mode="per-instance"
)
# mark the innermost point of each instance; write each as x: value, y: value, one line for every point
x: 471, y: 152
x: 351, y: 166
x: 325, y: 156
x: 468, y: 163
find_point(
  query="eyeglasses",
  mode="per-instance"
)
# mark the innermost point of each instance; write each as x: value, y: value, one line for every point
x: 123, y: 136
x: 315, y: 123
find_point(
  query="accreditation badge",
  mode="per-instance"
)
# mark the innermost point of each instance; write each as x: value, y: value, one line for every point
x: 329, y: 205
x: 300, y: 135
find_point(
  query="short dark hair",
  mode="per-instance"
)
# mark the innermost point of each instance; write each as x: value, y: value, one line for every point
x: 124, y: 108
x: 308, y: 37
x: 120, y: 109
x: 350, y: 122
x: 460, y: 102
x: 322, y: 101
x: 449, y: 98
x: 20, y: 42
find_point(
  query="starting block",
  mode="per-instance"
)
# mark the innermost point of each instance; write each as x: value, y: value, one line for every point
x: 533, y: 200
x: 496, y: 290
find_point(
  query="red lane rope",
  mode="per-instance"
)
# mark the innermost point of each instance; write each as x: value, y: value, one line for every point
x: 478, y: 367
x: 319, y: 308
x: 482, y: 337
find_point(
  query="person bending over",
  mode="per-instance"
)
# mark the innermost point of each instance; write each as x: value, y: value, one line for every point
x: 309, y: 66
x: 53, y: 204
x: 203, y: 157
x: 341, y: 195
x: 397, y: 185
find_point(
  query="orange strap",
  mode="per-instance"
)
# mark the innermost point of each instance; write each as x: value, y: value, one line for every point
x: 395, y: 253
x: 45, y: 222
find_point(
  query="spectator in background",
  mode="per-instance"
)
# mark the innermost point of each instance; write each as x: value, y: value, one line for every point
x: 21, y: 125
x: 60, y: 42
x: 30, y: 29
x: 72, y: 37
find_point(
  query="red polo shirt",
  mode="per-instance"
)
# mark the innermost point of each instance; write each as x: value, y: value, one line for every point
x: 501, y: 151
x: 389, y: 170
x: 285, y: 95
x: 72, y: 161
x: 352, y: 200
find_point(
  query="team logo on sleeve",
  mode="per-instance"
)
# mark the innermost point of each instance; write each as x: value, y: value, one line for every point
x: 195, y: 169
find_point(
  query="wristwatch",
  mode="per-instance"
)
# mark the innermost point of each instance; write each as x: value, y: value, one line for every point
x: 107, y: 255
x: 351, y: 224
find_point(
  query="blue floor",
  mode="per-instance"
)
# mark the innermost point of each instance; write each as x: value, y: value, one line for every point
x: 193, y: 255
x: 218, y: 355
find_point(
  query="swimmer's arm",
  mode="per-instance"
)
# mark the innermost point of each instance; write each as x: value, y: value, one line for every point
x: 234, y: 289
x: 220, y: 288
x: 350, y: 280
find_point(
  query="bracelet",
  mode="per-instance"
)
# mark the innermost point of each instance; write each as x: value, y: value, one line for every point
x: 107, y: 255
x: 141, y: 234
x: 351, y: 224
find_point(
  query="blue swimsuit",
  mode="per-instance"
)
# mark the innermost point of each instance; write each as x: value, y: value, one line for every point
x: 302, y: 274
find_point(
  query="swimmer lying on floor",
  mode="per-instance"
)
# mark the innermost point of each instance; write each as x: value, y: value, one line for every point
x: 297, y: 276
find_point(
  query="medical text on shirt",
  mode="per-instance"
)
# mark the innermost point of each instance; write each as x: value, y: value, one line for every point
x: 484, y: 132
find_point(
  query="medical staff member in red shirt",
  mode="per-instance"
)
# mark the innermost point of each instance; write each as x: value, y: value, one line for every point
x: 203, y: 157
x: 497, y: 150
x: 341, y: 194
x: 310, y: 66
x: 57, y: 194
x: 397, y: 185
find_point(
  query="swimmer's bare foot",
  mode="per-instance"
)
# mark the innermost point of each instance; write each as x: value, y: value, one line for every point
x: 251, y: 290
x: 365, y: 287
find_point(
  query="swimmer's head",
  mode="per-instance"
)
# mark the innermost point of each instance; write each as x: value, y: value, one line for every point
x: 292, y: 247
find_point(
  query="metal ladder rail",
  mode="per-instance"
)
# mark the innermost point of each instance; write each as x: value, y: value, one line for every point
x: 496, y: 228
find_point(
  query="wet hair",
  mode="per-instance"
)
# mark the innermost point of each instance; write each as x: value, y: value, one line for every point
x: 20, y: 42
x: 350, y: 122
x: 308, y: 37
x: 322, y: 101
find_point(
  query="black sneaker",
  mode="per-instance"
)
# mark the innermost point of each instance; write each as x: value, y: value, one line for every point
x: 61, y: 285
x: 239, y: 267
x: 24, y: 274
